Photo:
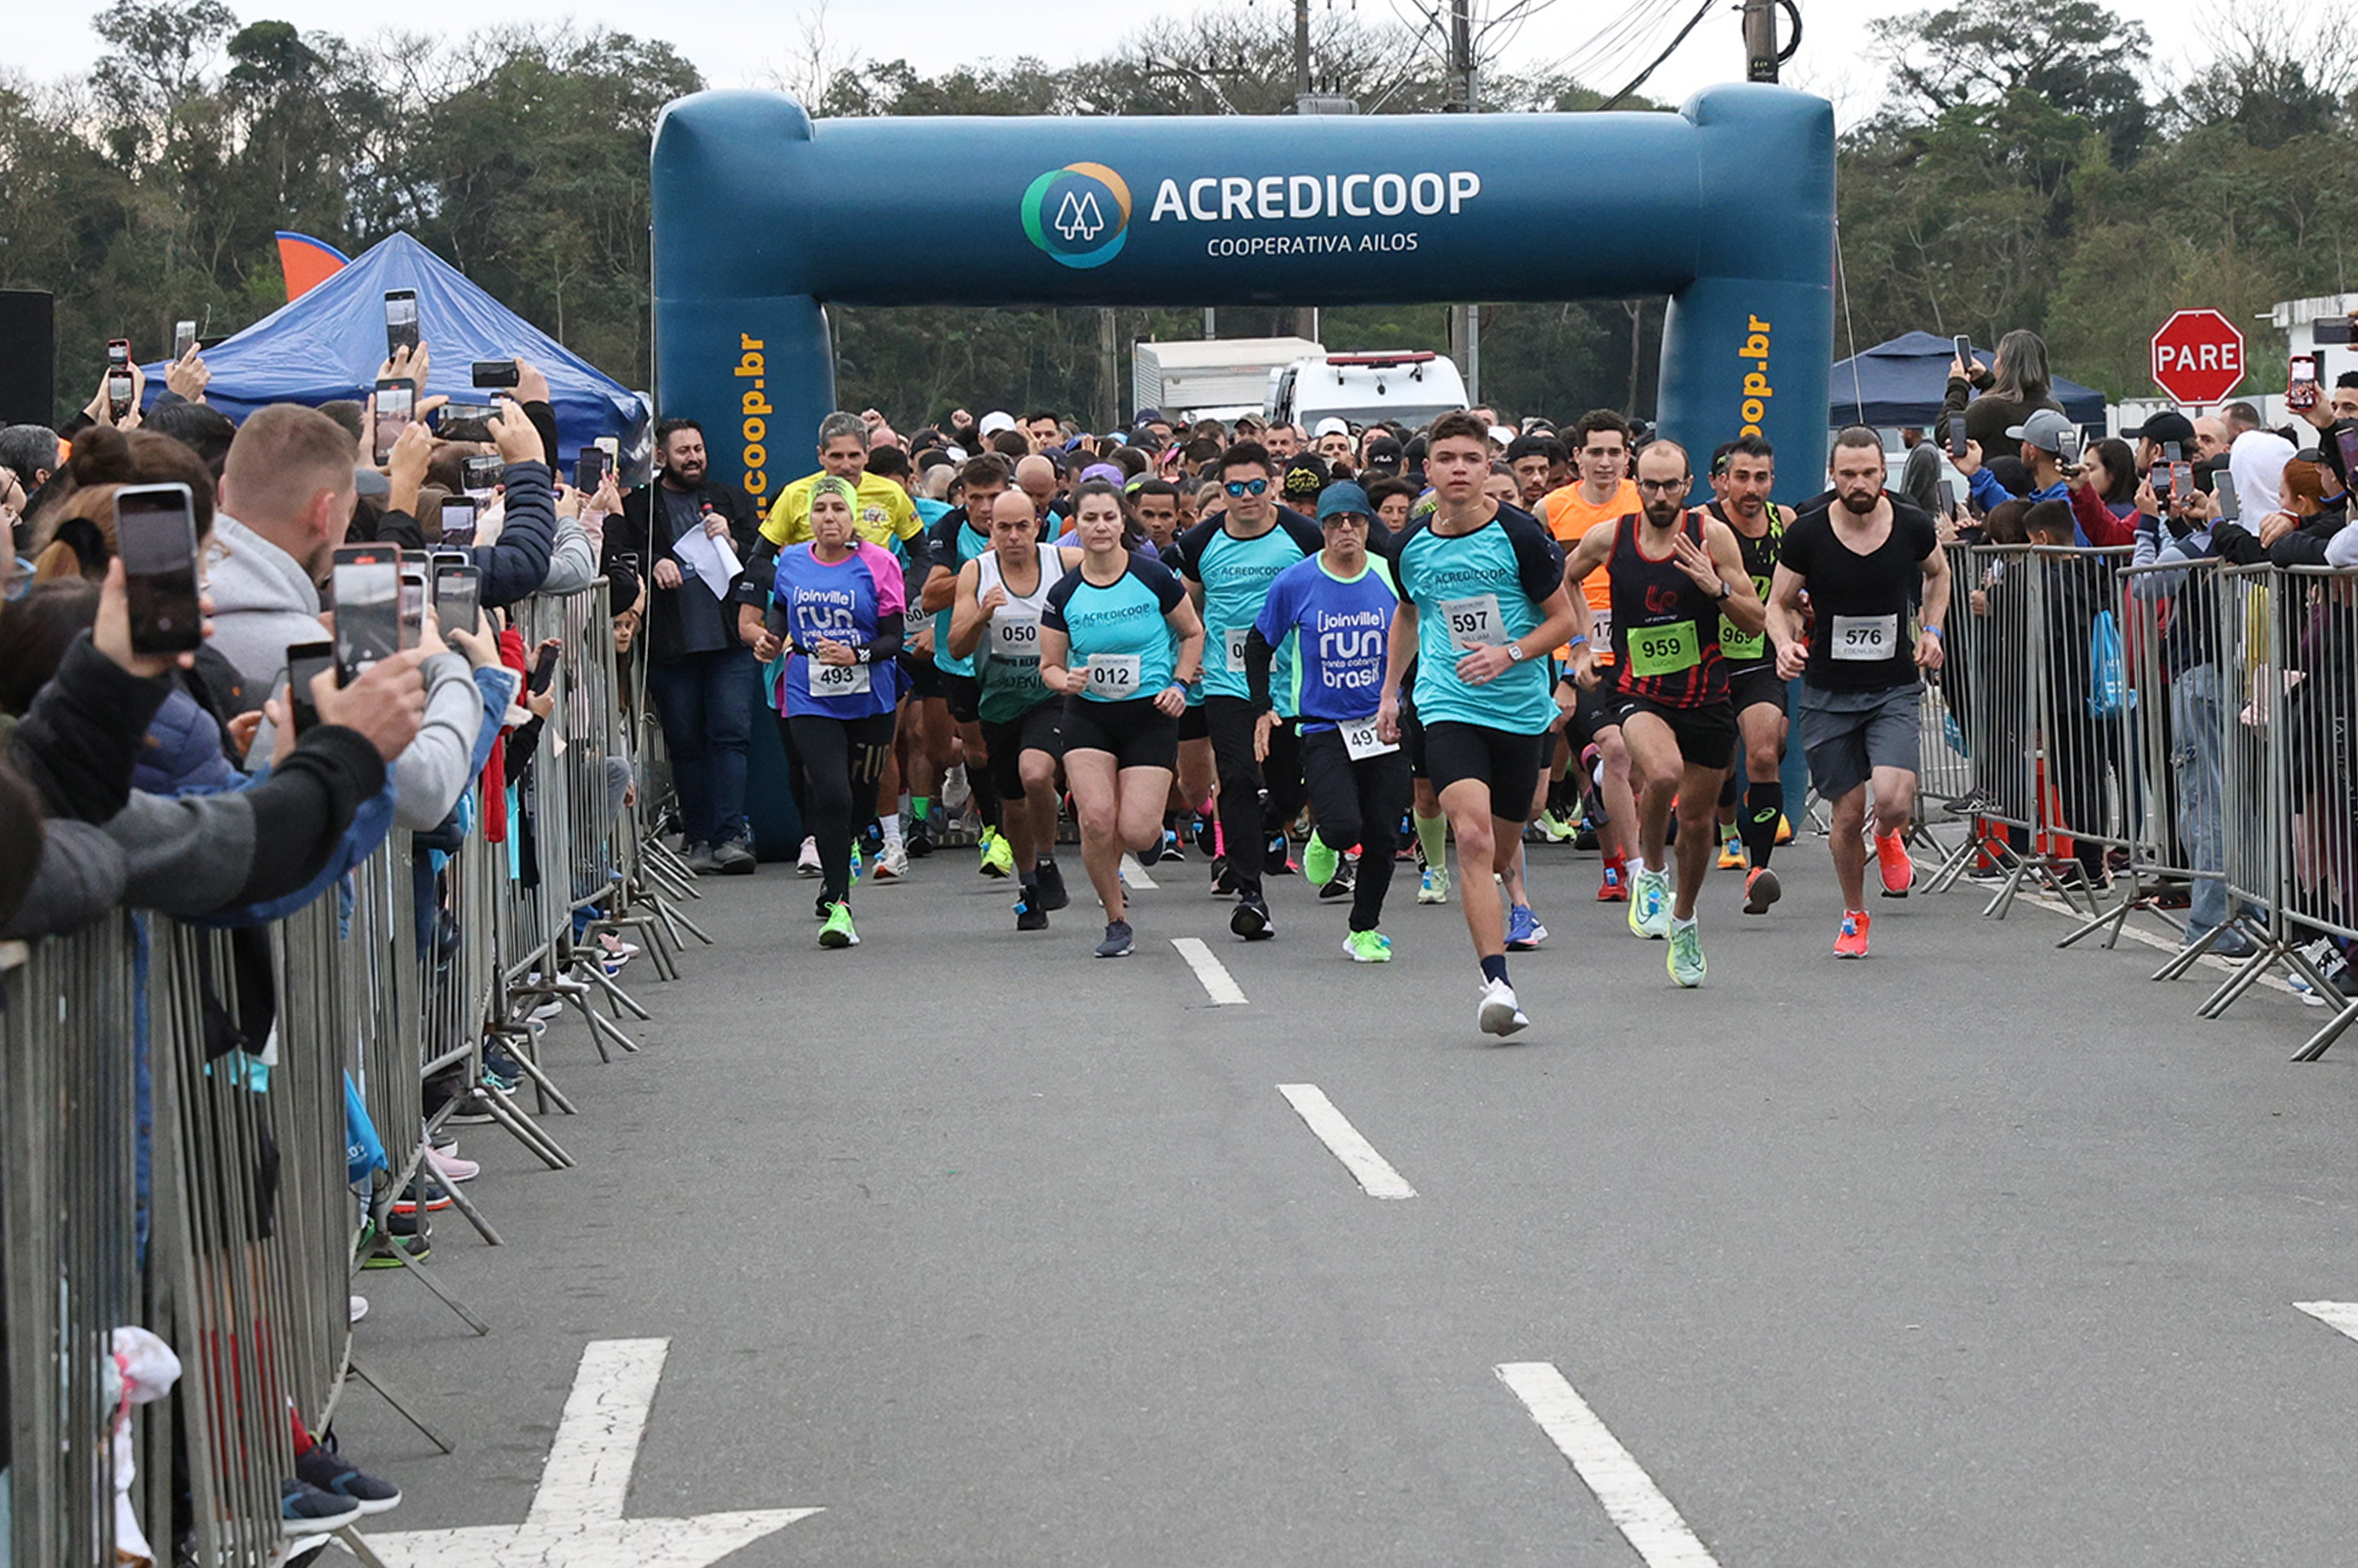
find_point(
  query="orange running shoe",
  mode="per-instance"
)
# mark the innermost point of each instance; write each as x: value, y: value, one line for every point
x: 1615, y: 887
x: 1852, y: 943
x: 1761, y: 888
x: 1899, y: 871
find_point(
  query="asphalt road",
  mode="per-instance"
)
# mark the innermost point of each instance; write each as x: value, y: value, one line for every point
x: 1976, y: 1253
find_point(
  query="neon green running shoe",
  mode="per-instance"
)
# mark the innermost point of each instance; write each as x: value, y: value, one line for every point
x: 997, y: 854
x: 1368, y: 947
x: 1319, y: 863
x: 838, y: 931
x: 1686, y: 955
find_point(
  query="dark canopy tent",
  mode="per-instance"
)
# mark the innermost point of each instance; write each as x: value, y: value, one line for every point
x: 329, y: 343
x: 1902, y: 383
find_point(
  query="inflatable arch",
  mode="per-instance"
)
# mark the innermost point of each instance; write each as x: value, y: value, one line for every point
x: 762, y: 219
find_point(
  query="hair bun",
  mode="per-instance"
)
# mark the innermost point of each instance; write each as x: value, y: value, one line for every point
x: 102, y: 455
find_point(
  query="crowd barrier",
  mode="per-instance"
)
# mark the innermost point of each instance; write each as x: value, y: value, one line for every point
x: 175, y: 1102
x: 2115, y: 734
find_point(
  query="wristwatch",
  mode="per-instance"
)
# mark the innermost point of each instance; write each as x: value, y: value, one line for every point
x: 1515, y: 653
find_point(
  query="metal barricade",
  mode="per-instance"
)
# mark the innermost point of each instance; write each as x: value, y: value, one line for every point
x: 2317, y: 732
x: 1999, y: 629
x: 2087, y: 711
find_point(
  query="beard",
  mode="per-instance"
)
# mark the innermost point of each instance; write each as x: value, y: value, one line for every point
x: 1858, y: 503
x: 1664, y: 514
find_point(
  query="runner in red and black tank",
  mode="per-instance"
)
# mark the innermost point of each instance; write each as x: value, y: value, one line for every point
x: 1674, y: 574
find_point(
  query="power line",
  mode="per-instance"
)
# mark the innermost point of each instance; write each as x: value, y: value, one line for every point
x: 1693, y: 23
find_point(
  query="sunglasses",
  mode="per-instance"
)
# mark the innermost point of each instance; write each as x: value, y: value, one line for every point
x: 1247, y: 486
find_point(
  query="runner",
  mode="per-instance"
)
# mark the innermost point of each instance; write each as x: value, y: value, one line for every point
x: 1227, y: 562
x: 1484, y: 601
x: 1337, y: 606
x: 1602, y: 493
x: 1675, y: 576
x: 1745, y: 472
x: 1119, y: 639
x: 835, y: 614
x: 961, y: 536
x: 996, y: 622
x: 1858, y: 559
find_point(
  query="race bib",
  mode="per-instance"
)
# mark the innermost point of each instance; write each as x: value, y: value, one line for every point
x: 1664, y: 650
x: 1113, y: 678
x: 835, y: 680
x: 1866, y: 639
x: 1739, y: 645
x: 1361, y: 740
x: 914, y: 622
x: 1474, y: 622
x: 1233, y: 640
x: 1015, y: 637
x: 1600, y: 635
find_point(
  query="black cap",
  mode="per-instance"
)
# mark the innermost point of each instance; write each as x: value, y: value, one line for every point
x: 2169, y: 425
x: 1305, y: 476
x: 1384, y: 455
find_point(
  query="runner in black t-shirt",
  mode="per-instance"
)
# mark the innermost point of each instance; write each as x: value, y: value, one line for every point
x: 1858, y: 561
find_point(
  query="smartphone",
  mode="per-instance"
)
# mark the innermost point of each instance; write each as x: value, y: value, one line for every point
x: 2158, y: 477
x: 1957, y: 436
x: 451, y: 413
x: 480, y: 476
x: 184, y: 337
x: 458, y: 595
x: 413, y: 603
x: 367, y: 587
x: 2347, y: 439
x: 2068, y: 441
x: 2300, y: 382
x: 2181, y: 479
x: 2170, y: 453
x: 1964, y: 347
x: 612, y: 447
x: 495, y: 373
x: 156, y: 530
x: 305, y: 662
x: 589, y: 469
x: 118, y: 377
x: 396, y: 405
x: 544, y: 668
x: 400, y: 320
x: 2231, y: 509
x: 2329, y: 331
x: 458, y: 521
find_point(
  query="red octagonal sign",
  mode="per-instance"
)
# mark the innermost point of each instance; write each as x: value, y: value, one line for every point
x: 2198, y: 357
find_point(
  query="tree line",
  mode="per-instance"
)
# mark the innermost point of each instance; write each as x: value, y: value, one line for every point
x: 2028, y: 167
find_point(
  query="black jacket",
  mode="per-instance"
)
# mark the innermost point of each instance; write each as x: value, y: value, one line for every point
x: 627, y: 534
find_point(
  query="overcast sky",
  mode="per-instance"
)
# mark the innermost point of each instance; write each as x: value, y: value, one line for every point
x: 737, y: 45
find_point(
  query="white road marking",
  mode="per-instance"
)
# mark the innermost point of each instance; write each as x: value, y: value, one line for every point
x: 1134, y: 875
x: 576, y: 1519
x: 2342, y: 1316
x: 1359, y: 1156
x: 1222, y: 988
x: 1630, y: 1497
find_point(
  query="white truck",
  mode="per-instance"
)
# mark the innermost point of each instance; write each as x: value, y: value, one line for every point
x: 1412, y: 386
x: 1217, y: 378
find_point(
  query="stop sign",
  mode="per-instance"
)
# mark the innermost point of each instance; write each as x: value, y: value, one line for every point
x: 2198, y: 357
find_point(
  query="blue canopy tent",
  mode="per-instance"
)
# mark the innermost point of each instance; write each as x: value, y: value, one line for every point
x: 1902, y: 383
x: 327, y: 345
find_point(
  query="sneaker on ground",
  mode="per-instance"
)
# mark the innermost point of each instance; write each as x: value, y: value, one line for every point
x: 2234, y: 947
x: 893, y: 864
x: 1761, y: 888
x: 1899, y: 871
x: 1499, y: 1014
x: 698, y: 858
x: 1173, y: 846
x: 807, y: 862
x: 451, y: 1168
x: 1117, y: 940
x: 1029, y: 915
x: 1277, y: 860
x: 1368, y: 947
x: 304, y: 1509
x: 1432, y: 887
x: 1524, y: 931
x: 358, y: 1309
x: 1050, y: 881
x: 1250, y: 919
x: 1615, y: 887
x: 920, y: 843
x: 733, y: 857
x: 613, y: 947
x: 1852, y: 942
x: 838, y: 932
x: 1551, y: 828
x: 323, y: 1468
x: 1319, y: 863
x: 956, y: 790
x: 407, y: 1202
x: 1649, y: 905
x: 1685, y: 961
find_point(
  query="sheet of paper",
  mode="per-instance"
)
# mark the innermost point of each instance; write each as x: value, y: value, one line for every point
x: 715, y: 560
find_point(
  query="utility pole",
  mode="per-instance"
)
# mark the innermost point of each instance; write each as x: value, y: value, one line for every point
x: 1465, y: 320
x: 1761, y: 56
x: 1108, y: 373
x: 1302, y: 47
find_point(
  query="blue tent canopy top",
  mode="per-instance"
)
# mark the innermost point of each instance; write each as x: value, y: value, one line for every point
x: 1902, y: 383
x: 327, y: 345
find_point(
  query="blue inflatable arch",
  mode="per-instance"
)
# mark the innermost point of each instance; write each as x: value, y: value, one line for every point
x: 763, y: 217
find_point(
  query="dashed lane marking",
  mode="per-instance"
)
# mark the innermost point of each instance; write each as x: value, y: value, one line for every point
x: 1631, y: 1500
x: 1371, y: 1170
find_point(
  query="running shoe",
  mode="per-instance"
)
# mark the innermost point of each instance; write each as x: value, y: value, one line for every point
x: 997, y: 854
x: 407, y: 1202
x: 1250, y: 919
x: 304, y: 1509
x: 1319, y: 863
x: 1852, y: 943
x: 920, y: 842
x: 1649, y: 906
x: 1223, y: 884
x: 732, y: 858
x: 1173, y: 846
x: 1207, y: 834
x: 1368, y: 947
x: 1051, y: 884
x: 1524, y: 931
x: 1899, y: 871
x: 1731, y: 853
x: 955, y: 789
x: 838, y: 932
x: 1552, y: 829
x: 322, y: 1469
x: 855, y: 865
x: 1615, y: 887
x: 356, y: 1309
x: 1343, y: 884
x: 1784, y: 830
x: 1030, y: 913
x: 1117, y: 940
x: 807, y: 863
x: 1686, y: 965
x: 892, y: 865
x: 451, y: 1168
x: 1761, y: 888
x: 698, y: 860
x: 1499, y: 1014
x: 1277, y: 856
x: 1432, y: 887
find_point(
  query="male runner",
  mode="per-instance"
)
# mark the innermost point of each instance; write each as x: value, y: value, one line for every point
x: 1676, y: 577
x: 1745, y: 471
x: 963, y: 533
x: 1227, y: 562
x: 1602, y: 493
x: 1858, y: 559
x: 1484, y: 601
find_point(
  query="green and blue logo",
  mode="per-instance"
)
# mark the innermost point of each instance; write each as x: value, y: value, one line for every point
x: 1079, y: 214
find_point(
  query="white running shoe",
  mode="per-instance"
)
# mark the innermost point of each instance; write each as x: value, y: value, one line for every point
x: 807, y: 863
x: 1500, y: 1015
x: 892, y: 865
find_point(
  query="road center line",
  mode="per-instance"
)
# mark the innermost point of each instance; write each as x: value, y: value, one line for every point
x: 1134, y: 875
x: 2342, y: 1316
x: 1372, y: 1171
x: 1223, y: 990
x: 1630, y: 1497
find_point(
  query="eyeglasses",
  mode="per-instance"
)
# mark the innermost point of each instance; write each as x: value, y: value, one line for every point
x: 1664, y: 486
x: 1247, y: 486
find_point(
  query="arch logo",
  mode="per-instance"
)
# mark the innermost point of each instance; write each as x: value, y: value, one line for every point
x: 1079, y: 214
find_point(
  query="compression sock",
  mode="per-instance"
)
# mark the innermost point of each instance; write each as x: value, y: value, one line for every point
x: 1764, y: 804
x: 921, y: 809
x: 1496, y: 969
x: 1432, y: 835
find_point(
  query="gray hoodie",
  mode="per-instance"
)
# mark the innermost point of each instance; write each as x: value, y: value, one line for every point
x: 264, y: 600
